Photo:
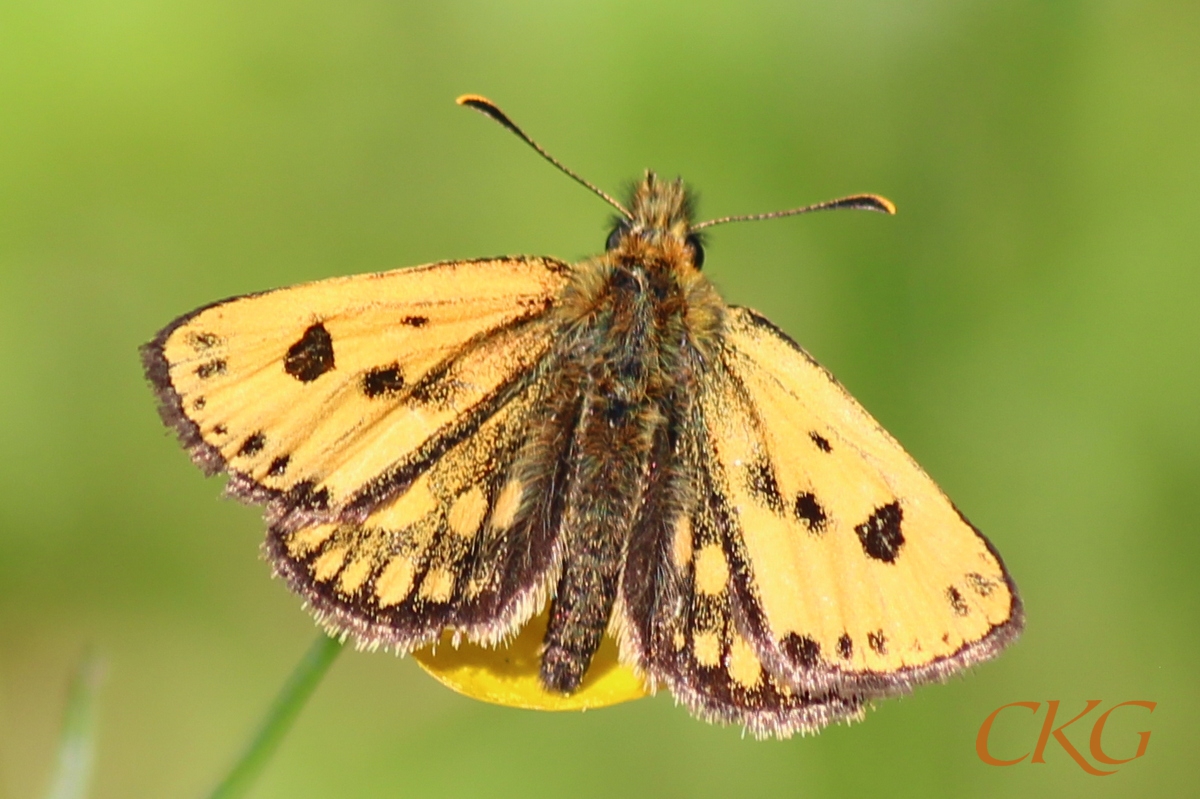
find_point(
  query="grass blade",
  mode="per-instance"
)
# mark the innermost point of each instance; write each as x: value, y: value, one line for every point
x: 282, y: 713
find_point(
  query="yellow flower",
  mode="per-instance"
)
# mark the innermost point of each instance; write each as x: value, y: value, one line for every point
x: 508, y: 674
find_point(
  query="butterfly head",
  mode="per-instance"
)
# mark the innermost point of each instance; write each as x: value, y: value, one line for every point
x: 659, y: 227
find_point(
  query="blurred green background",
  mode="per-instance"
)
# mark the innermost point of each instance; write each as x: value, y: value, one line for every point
x: 1027, y: 326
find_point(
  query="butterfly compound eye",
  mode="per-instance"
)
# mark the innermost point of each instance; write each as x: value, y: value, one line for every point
x: 614, y: 238
x: 693, y: 243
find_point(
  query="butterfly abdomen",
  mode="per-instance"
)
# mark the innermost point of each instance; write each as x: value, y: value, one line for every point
x: 613, y: 361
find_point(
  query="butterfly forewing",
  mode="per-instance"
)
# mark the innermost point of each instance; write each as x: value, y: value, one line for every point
x: 858, y: 574
x: 315, y: 393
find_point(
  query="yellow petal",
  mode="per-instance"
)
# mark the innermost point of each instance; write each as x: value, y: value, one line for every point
x: 508, y: 675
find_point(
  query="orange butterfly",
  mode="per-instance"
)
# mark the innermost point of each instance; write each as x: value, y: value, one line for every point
x: 458, y: 446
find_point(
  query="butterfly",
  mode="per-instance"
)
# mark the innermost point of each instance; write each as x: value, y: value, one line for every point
x: 462, y: 446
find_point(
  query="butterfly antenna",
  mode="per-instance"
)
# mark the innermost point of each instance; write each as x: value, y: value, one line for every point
x: 863, y: 202
x: 486, y: 106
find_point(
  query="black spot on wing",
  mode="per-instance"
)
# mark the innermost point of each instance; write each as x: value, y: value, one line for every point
x: 214, y: 367
x: 383, y: 380
x: 220, y: 429
x: 980, y: 584
x: 845, y: 646
x: 878, y: 642
x: 809, y: 511
x: 253, y: 444
x: 203, y: 341
x: 802, y: 649
x: 306, y: 496
x: 821, y: 441
x: 760, y: 478
x: 311, y: 356
x: 198, y: 403
x: 279, y: 466
x: 880, y: 534
x: 433, y: 389
x: 415, y: 321
x: 957, y: 602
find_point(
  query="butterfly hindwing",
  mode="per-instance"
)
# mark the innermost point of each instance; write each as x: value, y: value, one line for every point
x: 682, y: 623
x: 468, y: 543
x: 314, y: 396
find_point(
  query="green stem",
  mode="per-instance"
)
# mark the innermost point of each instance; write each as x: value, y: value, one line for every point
x: 279, y: 718
x: 77, y: 744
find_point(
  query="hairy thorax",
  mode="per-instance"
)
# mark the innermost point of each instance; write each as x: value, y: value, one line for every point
x: 647, y: 287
